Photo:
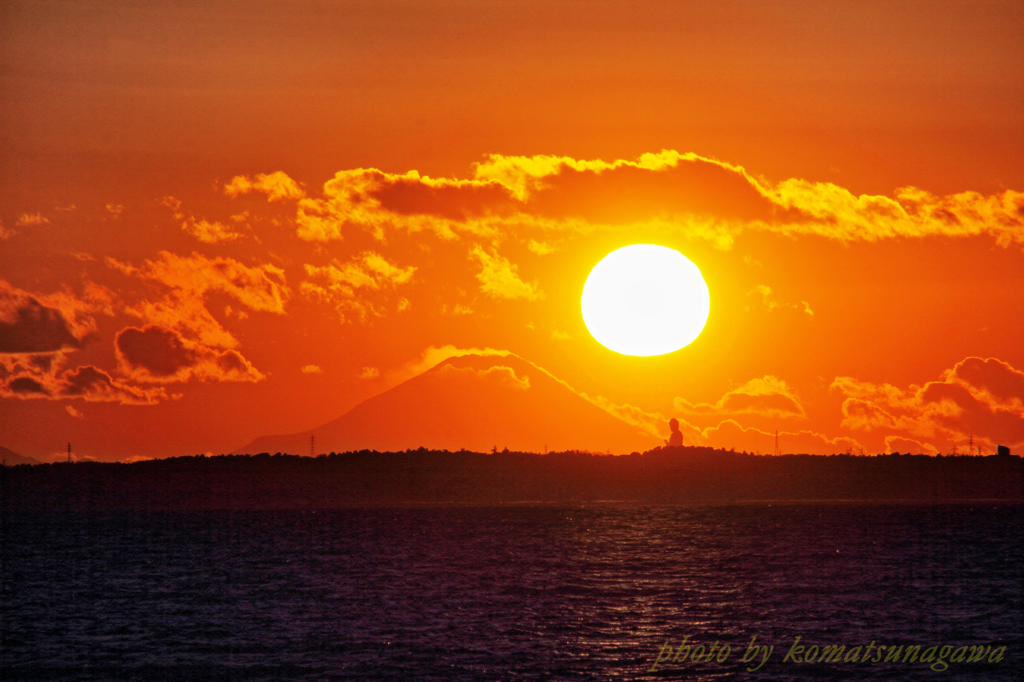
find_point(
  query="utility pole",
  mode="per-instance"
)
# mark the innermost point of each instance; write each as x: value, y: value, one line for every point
x: 777, y: 450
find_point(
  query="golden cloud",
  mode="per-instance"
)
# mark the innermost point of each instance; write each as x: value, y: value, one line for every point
x: 190, y: 279
x: 203, y: 230
x: 500, y: 279
x: 731, y: 434
x: 688, y: 194
x: 769, y: 300
x: 337, y: 284
x: 181, y: 339
x: 978, y: 399
x: 26, y: 219
x: 499, y: 375
x: 276, y: 186
x: 431, y: 357
x: 768, y: 396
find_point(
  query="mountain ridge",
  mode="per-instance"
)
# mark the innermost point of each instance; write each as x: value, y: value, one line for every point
x: 471, y: 402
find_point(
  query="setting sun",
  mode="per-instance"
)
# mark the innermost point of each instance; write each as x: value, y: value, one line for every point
x: 645, y: 300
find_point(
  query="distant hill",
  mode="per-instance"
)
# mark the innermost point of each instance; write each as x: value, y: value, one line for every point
x: 471, y: 402
x: 11, y: 458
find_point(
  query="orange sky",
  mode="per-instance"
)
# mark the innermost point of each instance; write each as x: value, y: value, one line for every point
x: 221, y: 221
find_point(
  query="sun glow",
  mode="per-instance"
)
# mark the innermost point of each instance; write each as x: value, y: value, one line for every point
x: 645, y: 299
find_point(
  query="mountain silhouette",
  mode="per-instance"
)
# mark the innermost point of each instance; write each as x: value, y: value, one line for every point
x: 11, y: 458
x: 475, y: 403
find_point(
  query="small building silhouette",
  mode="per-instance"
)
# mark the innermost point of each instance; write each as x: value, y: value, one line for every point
x: 1002, y: 451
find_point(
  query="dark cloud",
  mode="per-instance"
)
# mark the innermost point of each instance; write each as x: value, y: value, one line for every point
x: 453, y: 199
x: 158, y: 354
x: 28, y: 326
x: 26, y: 386
x: 626, y: 194
x: 86, y: 380
x: 1001, y: 380
x: 157, y: 350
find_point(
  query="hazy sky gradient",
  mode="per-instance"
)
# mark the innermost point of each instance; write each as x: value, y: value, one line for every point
x: 126, y: 123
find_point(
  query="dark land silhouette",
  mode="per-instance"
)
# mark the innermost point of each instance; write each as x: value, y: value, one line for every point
x: 474, y: 402
x: 667, y: 475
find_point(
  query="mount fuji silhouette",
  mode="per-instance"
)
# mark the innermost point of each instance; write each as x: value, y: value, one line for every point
x: 471, y: 402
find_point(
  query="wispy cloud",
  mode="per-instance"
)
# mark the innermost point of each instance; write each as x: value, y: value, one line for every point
x: 345, y: 285
x: 500, y: 279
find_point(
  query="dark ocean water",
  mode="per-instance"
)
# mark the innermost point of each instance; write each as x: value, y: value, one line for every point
x: 513, y: 593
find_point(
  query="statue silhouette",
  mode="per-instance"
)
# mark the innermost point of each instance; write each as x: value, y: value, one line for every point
x: 676, y: 439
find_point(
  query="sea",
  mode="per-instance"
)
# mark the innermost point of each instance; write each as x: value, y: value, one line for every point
x: 601, y: 591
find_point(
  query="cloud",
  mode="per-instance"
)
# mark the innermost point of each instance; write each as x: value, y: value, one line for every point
x: 376, y: 201
x: 500, y: 279
x: 623, y: 192
x: 158, y: 354
x: 431, y: 357
x: 259, y: 288
x: 310, y: 369
x: 731, y: 434
x: 499, y: 375
x: 337, y: 284
x: 36, y: 334
x: 28, y: 326
x: 188, y: 281
x: 94, y: 385
x: 540, y: 248
x: 40, y: 323
x: 28, y: 380
x: 654, y: 423
x: 765, y: 292
x: 979, y: 399
x: 276, y: 186
x: 993, y: 381
x: 203, y: 230
x: 772, y: 303
x: 836, y: 213
x: 909, y: 445
x: 684, y: 193
x: 117, y: 209
x: 369, y: 373
x: 26, y: 219
x: 73, y: 412
x: 6, y: 233
x: 768, y: 396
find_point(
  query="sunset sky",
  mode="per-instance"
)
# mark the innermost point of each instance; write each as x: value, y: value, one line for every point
x: 222, y: 220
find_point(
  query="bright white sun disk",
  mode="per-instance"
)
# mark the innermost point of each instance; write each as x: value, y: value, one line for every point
x: 644, y: 300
